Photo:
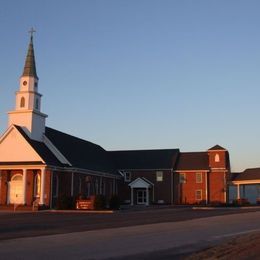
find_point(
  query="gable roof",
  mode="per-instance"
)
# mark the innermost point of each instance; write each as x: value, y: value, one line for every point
x: 80, y: 153
x: 145, y: 159
x: 248, y: 174
x: 43, y: 151
x: 216, y: 148
x: 193, y: 161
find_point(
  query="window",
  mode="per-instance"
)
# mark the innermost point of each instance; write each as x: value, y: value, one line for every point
x: 37, y: 103
x: 217, y: 159
x: 198, y: 194
x: 182, y: 178
x: 22, y: 102
x: 159, y: 176
x: 127, y: 176
x: 198, y: 177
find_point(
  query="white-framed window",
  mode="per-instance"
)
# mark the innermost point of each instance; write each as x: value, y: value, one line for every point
x: 217, y: 159
x: 182, y: 178
x: 159, y: 176
x: 198, y: 194
x: 127, y: 176
x: 198, y: 177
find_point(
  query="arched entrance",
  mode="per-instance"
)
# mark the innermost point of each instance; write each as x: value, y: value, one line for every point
x: 15, y: 190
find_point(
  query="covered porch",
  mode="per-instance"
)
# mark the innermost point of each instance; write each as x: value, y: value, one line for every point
x: 24, y: 185
x: 142, y: 191
x: 246, y: 186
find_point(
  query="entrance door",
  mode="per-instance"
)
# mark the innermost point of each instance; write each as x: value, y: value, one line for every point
x: 141, y: 197
x: 16, y: 190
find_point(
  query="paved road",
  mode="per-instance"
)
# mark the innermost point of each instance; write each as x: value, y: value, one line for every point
x: 48, y: 223
x: 125, y: 242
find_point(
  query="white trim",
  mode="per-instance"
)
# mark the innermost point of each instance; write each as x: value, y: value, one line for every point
x: 257, y: 181
x: 140, y: 183
x: 181, y: 171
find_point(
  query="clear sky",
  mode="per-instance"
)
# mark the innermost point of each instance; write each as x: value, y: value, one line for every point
x: 141, y: 74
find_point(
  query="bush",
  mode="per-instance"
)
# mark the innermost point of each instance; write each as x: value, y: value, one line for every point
x: 66, y: 202
x: 114, y: 202
x: 100, y: 202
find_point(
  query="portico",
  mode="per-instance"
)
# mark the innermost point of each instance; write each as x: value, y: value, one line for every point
x: 140, y: 191
x: 24, y: 184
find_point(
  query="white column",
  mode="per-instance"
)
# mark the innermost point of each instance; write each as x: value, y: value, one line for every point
x: 238, y: 191
x: 72, y: 184
x: 147, y: 196
x: 132, y: 196
x: 24, y: 185
x: 42, y: 187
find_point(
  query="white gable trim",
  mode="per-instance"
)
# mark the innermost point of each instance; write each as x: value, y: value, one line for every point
x: 140, y: 183
x: 55, y: 151
x: 12, y: 155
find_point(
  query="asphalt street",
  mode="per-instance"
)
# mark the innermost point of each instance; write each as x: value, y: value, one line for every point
x: 179, y: 237
x: 16, y: 225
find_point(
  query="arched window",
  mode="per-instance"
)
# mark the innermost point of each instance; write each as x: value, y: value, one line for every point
x: 22, y: 102
x: 217, y: 159
x: 17, y: 177
x: 37, y: 185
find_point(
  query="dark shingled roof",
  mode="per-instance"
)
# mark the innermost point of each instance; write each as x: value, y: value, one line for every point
x: 29, y: 66
x: 41, y: 149
x: 248, y: 174
x: 145, y: 159
x: 81, y: 153
x: 193, y: 161
x: 216, y: 148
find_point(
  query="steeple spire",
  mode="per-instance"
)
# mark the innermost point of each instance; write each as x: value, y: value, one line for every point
x: 29, y: 66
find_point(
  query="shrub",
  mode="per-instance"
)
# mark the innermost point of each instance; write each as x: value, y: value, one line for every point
x: 114, y: 202
x: 65, y: 202
x: 100, y: 202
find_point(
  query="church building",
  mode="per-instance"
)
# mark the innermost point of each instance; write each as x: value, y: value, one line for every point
x: 39, y: 164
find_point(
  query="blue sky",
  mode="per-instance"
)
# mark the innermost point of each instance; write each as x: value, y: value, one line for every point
x: 141, y: 74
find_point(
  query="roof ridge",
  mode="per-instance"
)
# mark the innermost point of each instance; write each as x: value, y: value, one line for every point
x: 75, y: 137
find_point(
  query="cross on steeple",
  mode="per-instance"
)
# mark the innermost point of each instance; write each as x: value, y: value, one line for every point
x: 31, y: 32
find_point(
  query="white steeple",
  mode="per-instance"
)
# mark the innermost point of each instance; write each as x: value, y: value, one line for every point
x: 27, y: 111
